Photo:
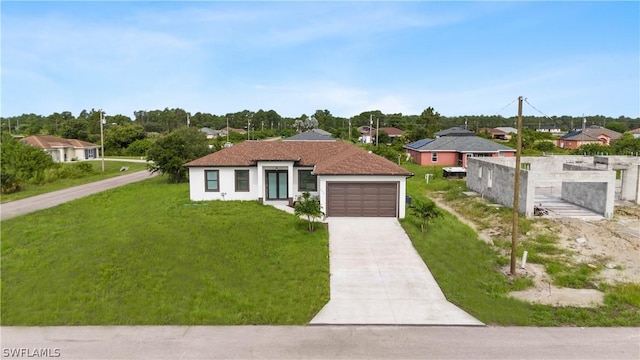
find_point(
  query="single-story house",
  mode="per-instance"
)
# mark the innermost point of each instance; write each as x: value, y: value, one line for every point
x: 495, y: 133
x: 312, y: 135
x: 348, y: 180
x: 63, y: 150
x: 635, y: 132
x: 210, y: 133
x: 594, y: 134
x: 549, y: 129
x: 366, y: 134
x: 454, y: 150
x: 392, y: 132
x: 507, y: 129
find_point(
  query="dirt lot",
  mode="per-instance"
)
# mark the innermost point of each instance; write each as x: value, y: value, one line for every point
x: 610, y: 246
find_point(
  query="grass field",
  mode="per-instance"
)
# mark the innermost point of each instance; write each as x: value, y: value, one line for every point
x: 143, y: 254
x: 111, y: 169
x: 467, y: 270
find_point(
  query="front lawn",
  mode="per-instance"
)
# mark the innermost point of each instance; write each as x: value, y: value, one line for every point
x: 143, y: 254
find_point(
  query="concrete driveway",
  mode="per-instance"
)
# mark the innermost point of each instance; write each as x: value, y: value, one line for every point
x: 377, y: 277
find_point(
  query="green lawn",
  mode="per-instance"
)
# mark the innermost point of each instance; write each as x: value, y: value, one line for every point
x: 143, y: 254
x: 467, y: 270
x: 111, y: 169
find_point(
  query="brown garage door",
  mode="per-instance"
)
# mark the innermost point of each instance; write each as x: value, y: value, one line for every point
x: 362, y: 199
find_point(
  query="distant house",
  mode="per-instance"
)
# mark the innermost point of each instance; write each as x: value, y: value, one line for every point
x: 594, y: 134
x: 63, y: 150
x: 507, y: 129
x: 635, y: 132
x: 348, y: 180
x: 210, y: 133
x: 454, y: 131
x: 392, y: 132
x: 366, y: 134
x: 495, y: 133
x: 454, y: 150
x: 312, y: 135
x: 549, y: 129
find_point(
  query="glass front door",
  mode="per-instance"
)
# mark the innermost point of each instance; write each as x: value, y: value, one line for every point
x: 276, y: 184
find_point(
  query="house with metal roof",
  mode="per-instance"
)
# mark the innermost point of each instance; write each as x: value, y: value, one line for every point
x: 454, y: 150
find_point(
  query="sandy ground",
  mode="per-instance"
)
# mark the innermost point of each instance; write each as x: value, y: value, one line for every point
x: 610, y: 246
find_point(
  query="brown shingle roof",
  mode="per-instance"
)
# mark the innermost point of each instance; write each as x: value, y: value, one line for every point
x: 51, y: 142
x: 391, y: 131
x: 329, y: 158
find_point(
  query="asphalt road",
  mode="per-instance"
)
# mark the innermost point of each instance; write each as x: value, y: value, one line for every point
x: 321, y: 342
x: 44, y: 201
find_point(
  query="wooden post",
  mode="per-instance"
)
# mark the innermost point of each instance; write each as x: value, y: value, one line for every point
x: 516, y: 190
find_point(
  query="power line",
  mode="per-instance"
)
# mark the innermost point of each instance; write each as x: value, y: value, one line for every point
x: 536, y: 109
x: 506, y: 106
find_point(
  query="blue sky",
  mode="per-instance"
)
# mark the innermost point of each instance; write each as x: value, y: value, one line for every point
x: 295, y: 57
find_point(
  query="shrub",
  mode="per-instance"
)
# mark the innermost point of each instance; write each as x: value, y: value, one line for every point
x: 309, y: 206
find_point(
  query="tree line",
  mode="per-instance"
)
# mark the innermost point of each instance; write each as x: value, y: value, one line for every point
x: 86, y: 125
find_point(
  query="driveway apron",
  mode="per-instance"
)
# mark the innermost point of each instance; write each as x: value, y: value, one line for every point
x: 377, y: 277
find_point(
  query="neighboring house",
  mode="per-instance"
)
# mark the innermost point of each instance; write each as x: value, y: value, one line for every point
x: 454, y: 131
x: 367, y: 134
x: 348, y: 180
x: 507, y: 129
x: 594, y: 134
x: 549, y: 129
x: 635, y: 132
x: 210, y: 133
x: 63, y: 150
x: 312, y: 135
x: 392, y: 132
x: 454, y: 150
x: 495, y: 133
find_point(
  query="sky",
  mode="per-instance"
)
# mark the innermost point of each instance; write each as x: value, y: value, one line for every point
x: 296, y: 57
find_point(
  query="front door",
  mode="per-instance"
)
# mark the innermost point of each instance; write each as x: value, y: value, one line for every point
x: 276, y: 184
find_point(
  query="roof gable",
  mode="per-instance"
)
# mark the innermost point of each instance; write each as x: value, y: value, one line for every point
x: 328, y: 157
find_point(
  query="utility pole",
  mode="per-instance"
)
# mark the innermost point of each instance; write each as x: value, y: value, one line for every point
x: 377, y: 129
x: 102, y: 120
x: 516, y: 190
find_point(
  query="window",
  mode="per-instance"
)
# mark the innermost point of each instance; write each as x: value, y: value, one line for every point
x: 90, y: 153
x: 307, y: 181
x: 480, y: 172
x: 242, y: 180
x: 434, y: 157
x: 212, y: 180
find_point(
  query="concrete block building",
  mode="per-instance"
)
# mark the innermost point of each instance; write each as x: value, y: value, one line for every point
x: 590, y: 182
